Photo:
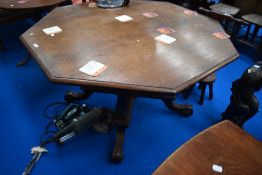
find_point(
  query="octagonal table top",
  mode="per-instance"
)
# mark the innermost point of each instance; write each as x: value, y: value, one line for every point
x: 27, y: 4
x: 135, y: 60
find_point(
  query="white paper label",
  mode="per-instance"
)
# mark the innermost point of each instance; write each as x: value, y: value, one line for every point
x: 93, y: 68
x: 35, y: 45
x: 38, y: 149
x: 217, y: 168
x: 52, y: 30
x: 123, y: 18
x: 165, y: 39
x: 256, y: 66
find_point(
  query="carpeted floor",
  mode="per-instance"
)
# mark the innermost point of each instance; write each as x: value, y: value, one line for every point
x: 154, y: 134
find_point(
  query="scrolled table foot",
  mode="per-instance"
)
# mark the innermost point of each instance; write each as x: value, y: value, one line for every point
x: 23, y: 62
x: 118, y: 154
x: 76, y: 96
x: 183, y: 109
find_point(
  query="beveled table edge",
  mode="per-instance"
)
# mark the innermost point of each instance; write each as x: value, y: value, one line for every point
x: 222, y: 124
x: 116, y: 87
x: 217, y: 67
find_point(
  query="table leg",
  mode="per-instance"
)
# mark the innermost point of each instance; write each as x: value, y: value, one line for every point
x: 1, y: 45
x: 183, y: 109
x: 121, y: 120
x: 24, y: 61
x: 117, y: 155
x: 258, y: 53
x: 76, y: 96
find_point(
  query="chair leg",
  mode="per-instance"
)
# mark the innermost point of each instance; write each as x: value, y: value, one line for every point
x: 247, y: 32
x: 226, y: 26
x: 258, y: 53
x: 254, y: 33
x: 200, y: 85
x: 235, y: 31
x: 211, y: 95
x: 203, y: 89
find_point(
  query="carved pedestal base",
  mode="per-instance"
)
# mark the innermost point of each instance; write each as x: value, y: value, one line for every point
x: 118, y: 154
x: 122, y: 116
x: 183, y: 109
x: 121, y: 120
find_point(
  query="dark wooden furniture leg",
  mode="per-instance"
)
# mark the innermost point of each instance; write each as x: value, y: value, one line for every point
x: 183, y: 109
x: 1, y: 45
x: 254, y: 33
x: 211, y: 95
x: 24, y: 61
x: 203, y: 90
x: 121, y: 120
x: 258, y: 53
x: 247, y: 32
x: 235, y: 31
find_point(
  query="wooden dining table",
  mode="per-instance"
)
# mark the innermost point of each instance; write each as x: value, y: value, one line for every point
x: 138, y: 64
x: 16, y: 9
x: 28, y: 4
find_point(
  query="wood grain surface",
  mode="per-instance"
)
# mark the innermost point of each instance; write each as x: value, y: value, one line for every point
x: 224, y: 144
x: 135, y: 60
x: 27, y: 4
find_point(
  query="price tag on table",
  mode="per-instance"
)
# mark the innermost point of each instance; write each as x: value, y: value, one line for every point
x: 93, y: 68
x: 165, y: 30
x: 165, y: 39
x: 221, y: 35
x: 52, y: 30
x: 123, y: 18
x: 190, y: 13
x: 150, y: 14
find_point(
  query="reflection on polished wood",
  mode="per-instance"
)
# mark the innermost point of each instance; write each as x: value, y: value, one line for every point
x: 136, y: 61
x: 223, y: 144
x: 137, y: 64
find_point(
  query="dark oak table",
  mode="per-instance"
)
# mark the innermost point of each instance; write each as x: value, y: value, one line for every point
x: 20, y: 7
x: 225, y: 145
x: 28, y: 4
x: 137, y: 64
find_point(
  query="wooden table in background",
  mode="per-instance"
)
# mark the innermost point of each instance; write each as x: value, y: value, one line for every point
x: 35, y: 7
x: 28, y: 4
x: 224, y: 144
x: 137, y: 64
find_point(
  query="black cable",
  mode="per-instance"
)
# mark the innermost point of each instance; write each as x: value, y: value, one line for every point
x: 50, y: 123
x: 60, y: 104
x: 45, y: 142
